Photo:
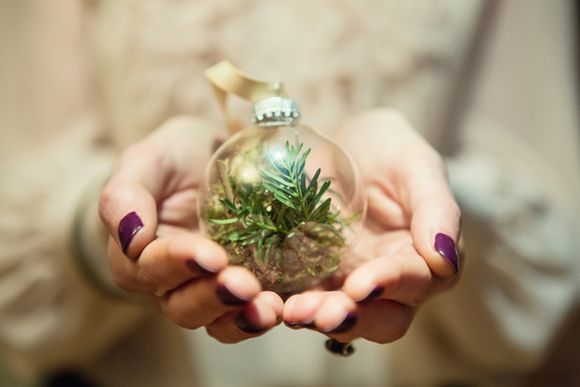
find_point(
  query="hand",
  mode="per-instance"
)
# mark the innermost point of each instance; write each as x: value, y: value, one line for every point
x: 407, y: 250
x: 150, y: 210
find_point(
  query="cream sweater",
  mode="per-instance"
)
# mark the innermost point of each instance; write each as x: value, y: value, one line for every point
x: 87, y: 79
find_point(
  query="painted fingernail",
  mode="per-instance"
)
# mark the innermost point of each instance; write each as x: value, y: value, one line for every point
x: 375, y: 293
x: 307, y: 325
x: 128, y: 228
x: 196, y: 267
x: 445, y: 246
x: 337, y: 348
x: 245, y: 325
x: 227, y: 298
x: 292, y: 325
x: 346, y: 325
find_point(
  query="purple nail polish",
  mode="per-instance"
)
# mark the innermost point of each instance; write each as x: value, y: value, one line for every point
x: 245, y: 325
x: 346, y: 325
x: 195, y: 267
x: 445, y: 246
x: 338, y: 348
x: 306, y: 325
x: 292, y: 325
x: 375, y: 293
x: 128, y: 227
x: 227, y: 298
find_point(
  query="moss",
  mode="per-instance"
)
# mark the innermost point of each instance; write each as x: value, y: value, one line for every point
x: 282, y: 227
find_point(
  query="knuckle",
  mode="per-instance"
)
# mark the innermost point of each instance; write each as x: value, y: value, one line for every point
x: 106, y: 200
x: 455, y: 209
x: 113, y: 195
x: 130, y: 153
x: 395, y: 267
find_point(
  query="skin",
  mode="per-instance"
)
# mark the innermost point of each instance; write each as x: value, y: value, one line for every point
x: 409, y: 202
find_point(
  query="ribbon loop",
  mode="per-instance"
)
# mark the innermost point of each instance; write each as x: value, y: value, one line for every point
x: 227, y: 79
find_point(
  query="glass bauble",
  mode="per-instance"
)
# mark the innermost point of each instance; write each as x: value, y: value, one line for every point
x: 285, y: 202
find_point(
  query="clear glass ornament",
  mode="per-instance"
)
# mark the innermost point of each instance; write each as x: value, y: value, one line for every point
x: 283, y: 200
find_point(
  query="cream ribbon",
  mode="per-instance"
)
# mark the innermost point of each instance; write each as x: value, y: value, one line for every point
x: 227, y: 79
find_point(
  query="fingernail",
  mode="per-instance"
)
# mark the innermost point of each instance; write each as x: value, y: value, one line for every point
x: 307, y: 325
x: 245, y: 325
x: 128, y: 227
x: 292, y: 325
x: 445, y: 246
x: 346, y: 325
x: 227, y: 298
x: 376, y: 292
x: 196, y: 267
x: 338, y: 348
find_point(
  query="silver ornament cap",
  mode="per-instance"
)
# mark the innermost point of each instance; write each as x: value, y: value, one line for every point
x: 276, y: 111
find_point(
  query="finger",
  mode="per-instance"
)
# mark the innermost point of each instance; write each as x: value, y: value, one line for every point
x: 404, y: 278
x: 128, y: 203
x: 178, y: 211
x: 166, y: 263
x: 336, y: 313
x: 384, y: 209
x: 146, y: 171
x: 435, y: 216
x: 129, y: 212
x: 414, y: 175
x: 260, y: 315
x: 300, y: 309
x: 123, y: 270
x: 202, y: 300
x: 380, y: 321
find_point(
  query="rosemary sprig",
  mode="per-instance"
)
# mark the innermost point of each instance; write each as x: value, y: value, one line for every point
x: 261, y: 216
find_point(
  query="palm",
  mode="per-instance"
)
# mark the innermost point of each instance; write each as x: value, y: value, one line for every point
x: 178, y: 212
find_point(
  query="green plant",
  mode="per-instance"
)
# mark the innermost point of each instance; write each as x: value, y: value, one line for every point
x: 283, y: 227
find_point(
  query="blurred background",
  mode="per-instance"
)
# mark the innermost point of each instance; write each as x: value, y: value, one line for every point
x: 461, y: 71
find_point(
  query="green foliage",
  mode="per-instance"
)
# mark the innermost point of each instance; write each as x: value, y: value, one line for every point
x: 260, y: 216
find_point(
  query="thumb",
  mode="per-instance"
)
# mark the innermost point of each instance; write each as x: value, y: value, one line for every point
x: 130, y: 215
x: 128, y: 203
x: 435, y: 216
x: 172, y: 156
x: 435, y: 227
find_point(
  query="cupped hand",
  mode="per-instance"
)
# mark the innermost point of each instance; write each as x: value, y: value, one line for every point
x: 149, y: 207
x: 408, y: 249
